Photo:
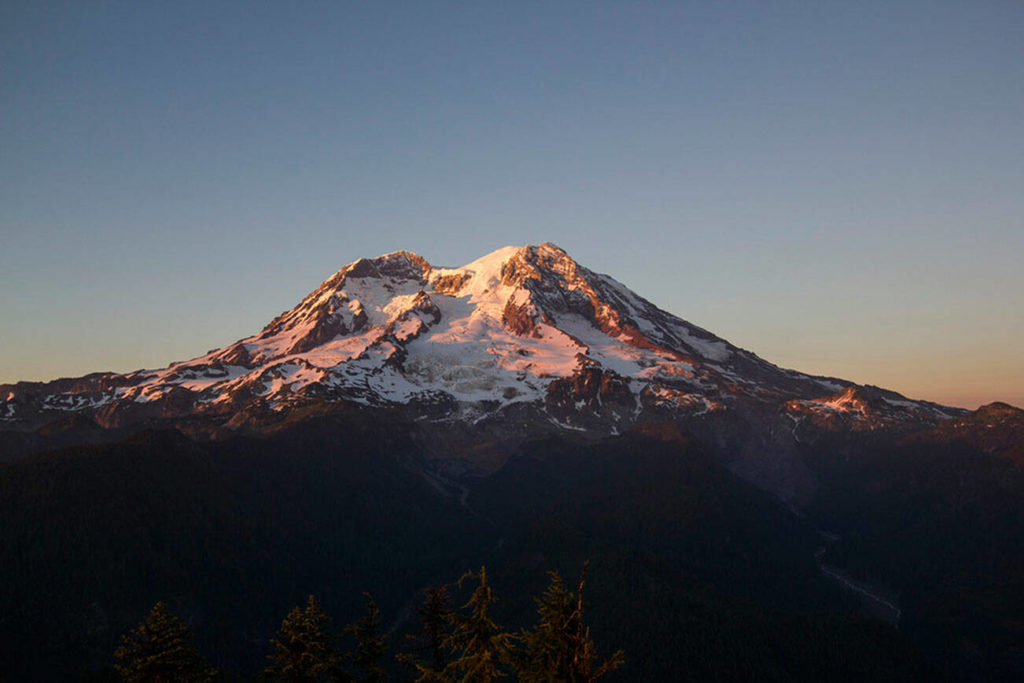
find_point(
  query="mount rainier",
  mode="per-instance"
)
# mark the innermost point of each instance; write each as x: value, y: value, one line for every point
x: 521, y: 342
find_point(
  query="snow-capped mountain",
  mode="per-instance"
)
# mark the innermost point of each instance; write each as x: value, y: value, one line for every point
x: 521, y: 327
x: 522, y: 411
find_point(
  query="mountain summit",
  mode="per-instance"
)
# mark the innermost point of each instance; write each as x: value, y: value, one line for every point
x: 523, y: 332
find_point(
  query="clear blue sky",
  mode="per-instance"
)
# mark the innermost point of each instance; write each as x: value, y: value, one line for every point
x: 838, y: 187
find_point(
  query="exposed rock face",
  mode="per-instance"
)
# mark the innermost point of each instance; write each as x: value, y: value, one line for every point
x: 592, y: 395
x: 520, y: 318
x: 861, y: 408
x: 451, y: 284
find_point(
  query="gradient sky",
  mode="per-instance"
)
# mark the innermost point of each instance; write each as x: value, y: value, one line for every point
x: 838, y: 187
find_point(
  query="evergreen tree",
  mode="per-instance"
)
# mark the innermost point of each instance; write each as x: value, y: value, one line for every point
x: 370, y: 644
x: 482, y: 649
x: 160, y: 649
x: 547, y: 649
x: 559, y: 648
x: 303, y: 649
x: 435, y: 619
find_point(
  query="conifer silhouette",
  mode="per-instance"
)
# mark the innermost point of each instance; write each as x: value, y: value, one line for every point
x: 559, y: 648
x: 370, y: 644
x: 302, y: 649
x: 435, y: 621
x: 160, y: 649
x: 482, y: 649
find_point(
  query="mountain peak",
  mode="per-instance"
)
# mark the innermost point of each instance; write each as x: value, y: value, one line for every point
x: 999, y: 408
x: 523, y: 328
x: 532, y: 262
x: 399, y: 264
x: 403, y: 264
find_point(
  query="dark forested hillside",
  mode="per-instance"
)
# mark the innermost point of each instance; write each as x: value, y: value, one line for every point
x: 231, y: 535
x: 939, y: 523
x: 694, y: 573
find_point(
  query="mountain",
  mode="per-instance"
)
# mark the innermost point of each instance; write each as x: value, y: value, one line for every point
x: 520, y: 342
x: 406, y: 422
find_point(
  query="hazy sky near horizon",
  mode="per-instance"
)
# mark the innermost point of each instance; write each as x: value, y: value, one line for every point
x: 836, y: 186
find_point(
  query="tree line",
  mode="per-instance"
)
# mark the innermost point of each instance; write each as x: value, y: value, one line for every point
x: 453, y: 643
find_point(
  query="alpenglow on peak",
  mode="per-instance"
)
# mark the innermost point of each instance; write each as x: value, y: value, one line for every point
x: 520, y: 329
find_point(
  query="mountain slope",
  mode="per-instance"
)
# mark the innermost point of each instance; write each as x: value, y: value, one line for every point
x: 521, y: 329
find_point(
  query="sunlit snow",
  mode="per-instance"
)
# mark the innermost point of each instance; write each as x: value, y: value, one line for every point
x: 388, y: 346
